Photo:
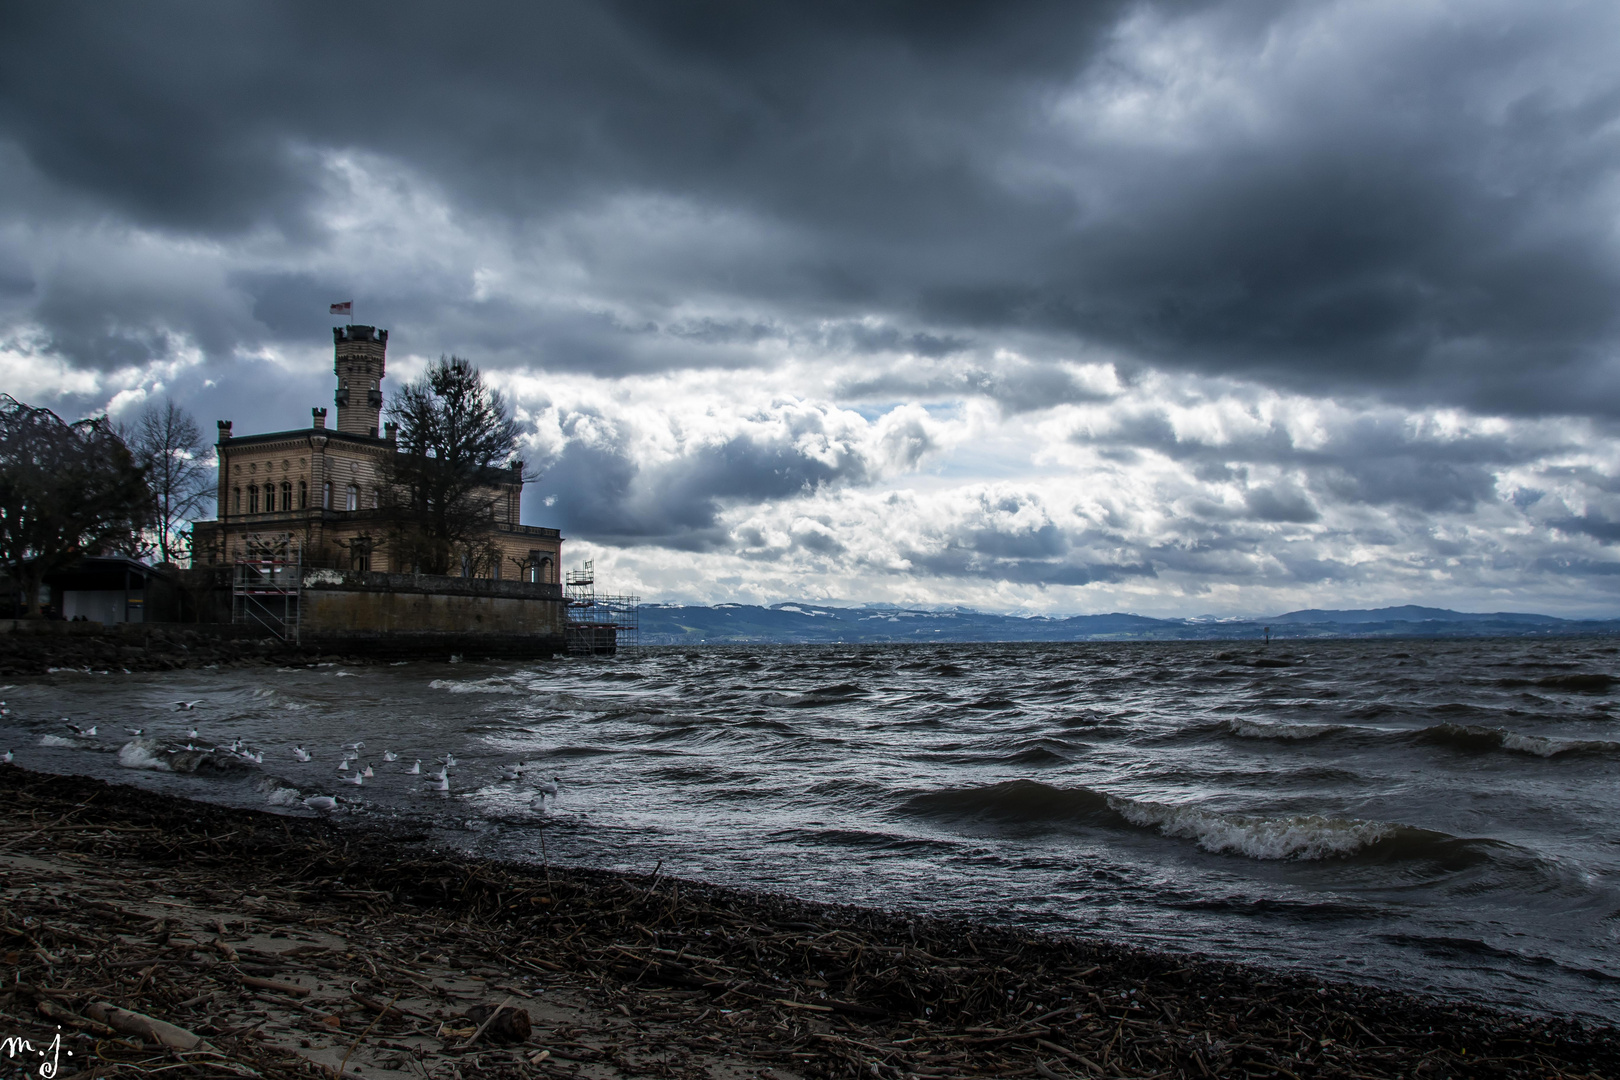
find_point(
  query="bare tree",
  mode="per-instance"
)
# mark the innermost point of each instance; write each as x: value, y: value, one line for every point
x: 66, y: 491
x: 168, y: 445
x: 457, y: 444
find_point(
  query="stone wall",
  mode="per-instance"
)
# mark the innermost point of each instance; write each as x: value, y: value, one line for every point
x: 340, y: 606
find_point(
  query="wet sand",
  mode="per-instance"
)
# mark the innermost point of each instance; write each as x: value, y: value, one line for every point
x: 274, y: 946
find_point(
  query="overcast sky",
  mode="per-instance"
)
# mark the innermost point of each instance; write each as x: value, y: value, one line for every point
x: 1181, y: 308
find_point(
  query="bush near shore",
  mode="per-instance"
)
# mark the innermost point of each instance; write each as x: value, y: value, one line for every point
x: 626, y: 975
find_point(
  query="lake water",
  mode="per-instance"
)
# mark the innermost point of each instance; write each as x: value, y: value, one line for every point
x: 1428, y: 815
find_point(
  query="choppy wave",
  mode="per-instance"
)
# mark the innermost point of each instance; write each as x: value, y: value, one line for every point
x: 1467, y: 737
x: 1260, y: 729
x: 1293, y: 836
x: 1256, y: 836
x: 143, y: 754
x: 475, y: 686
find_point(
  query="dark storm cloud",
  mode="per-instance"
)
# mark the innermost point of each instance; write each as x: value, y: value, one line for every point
x: 604, y: 493
x: 1016, y: 385
x: 1417, y: 224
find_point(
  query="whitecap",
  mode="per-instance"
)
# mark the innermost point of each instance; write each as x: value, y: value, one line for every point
x: 1546, y: 747
x: 142, y: 754
x: 59, y: 740
x: 1259, y: 729
x: 1300, y: 836
x: 474, y: 686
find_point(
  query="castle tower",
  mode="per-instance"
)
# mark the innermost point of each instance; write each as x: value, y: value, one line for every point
x: 359, y: 368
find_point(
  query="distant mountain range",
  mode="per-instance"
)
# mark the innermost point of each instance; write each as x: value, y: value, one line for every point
x: 667, y: 624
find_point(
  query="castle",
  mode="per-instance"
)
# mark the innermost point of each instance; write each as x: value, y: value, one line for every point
x: 328, y: 488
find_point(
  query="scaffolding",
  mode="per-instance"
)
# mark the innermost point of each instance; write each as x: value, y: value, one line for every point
x: 265, y: 583
x: 599, y: 624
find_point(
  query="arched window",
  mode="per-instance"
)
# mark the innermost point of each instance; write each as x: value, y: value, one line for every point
x: 376, y: 498
x: 303, y: 495
x: 286, y: 495
x: 354, y: 498
x: 548, y: 571
x: 253, y: 498
x: 326, y: 495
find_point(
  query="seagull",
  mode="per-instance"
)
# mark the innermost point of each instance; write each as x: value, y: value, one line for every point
x: 355, y: 746
x: 301, y: 754
x: 321, y: 802
x: 257, y: 759
x: 448, y: 759
x: 388, y: 755
x: 440, y: 783
x: 192, y: 734
x: 442, y: 774
x: 415, y: 770
x: 368, y: 774
x: 136, y: 731
x: 187, y: 706
x: 345, y: 764
x: 9, y: 757
x: 77, y: 730
x: 357, y: 779
x: 545, y: 789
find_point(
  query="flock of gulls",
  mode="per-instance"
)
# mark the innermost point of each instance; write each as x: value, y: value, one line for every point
x: 541, y: 790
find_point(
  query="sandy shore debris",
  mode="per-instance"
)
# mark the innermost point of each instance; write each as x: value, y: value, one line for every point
x: 292, y: 947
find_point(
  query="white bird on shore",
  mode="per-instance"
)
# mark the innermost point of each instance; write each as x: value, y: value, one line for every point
x: 77, y: 730
x: 357, y: 780
x: 343, y: 766
x: 388, y: 755
x: 415, y: 770
x: 9, y: 757
x: 187, y: 706
x: 192, y: 734
x: 321, y: 802
x: 368, y: 774
x: 449, y: 760
x: 441, y: 783
x: 301, y: 754
x: 257, y: 758
x: 442, y: 774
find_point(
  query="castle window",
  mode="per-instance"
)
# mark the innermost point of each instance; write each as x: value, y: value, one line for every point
x: 269, y: 498
x: 236, y: 501
x: 286, y: 495
x: 548, y: 572
x: 303, y: 495
x: 354, y: 498
x: 326, y: 495
x: 253, y: 498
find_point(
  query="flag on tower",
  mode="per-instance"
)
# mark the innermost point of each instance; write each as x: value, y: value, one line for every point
x: 345, y: 308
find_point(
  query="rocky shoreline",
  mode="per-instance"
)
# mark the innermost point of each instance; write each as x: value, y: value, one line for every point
x: 156, y: 933
x: 39, y: 649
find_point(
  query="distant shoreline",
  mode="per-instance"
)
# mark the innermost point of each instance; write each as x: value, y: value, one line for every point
x: 805, y: 623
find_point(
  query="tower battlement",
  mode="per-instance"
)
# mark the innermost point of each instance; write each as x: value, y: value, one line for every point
x: 359, y: 363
